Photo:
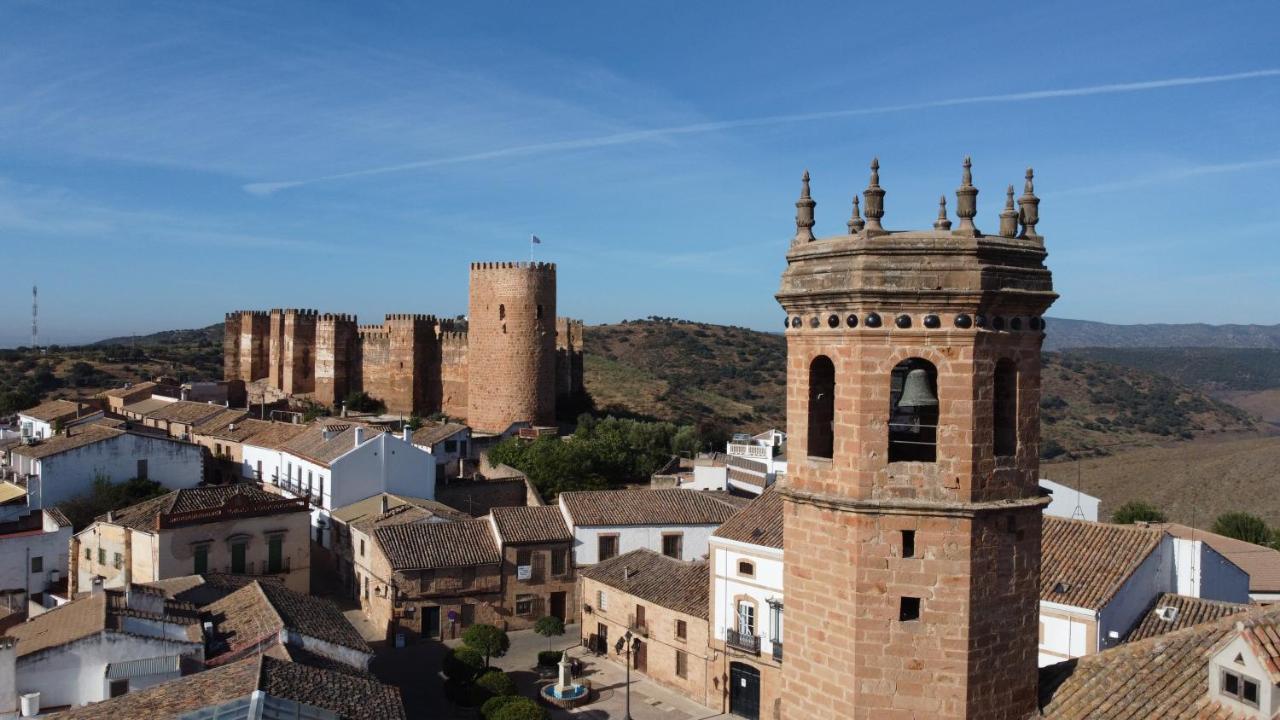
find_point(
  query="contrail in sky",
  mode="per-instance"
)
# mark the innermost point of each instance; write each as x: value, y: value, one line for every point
x: 635, y: 136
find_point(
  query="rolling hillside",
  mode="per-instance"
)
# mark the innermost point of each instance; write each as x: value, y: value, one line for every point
x: 1063, y: 333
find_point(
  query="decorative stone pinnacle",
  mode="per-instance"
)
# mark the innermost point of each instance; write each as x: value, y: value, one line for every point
x: 804, y: 212
x: 942, y: 223
x: 873, y: 198
x: 1009, y: 216
x: 967, y: 200
x: 1029, y: 208
x: 856, y: 223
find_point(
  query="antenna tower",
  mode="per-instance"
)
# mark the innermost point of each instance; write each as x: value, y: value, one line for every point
x: 35, y: 313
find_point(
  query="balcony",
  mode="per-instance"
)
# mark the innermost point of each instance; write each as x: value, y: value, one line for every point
x: 746, y: 642
x: 638, y: 625
x: 777, y: 651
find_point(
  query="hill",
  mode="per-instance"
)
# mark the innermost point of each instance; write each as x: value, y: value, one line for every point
x: 684, y: 371
x: 211, y: 335
x: 1063, y: 333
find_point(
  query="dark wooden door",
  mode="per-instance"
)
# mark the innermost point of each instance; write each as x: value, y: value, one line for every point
x: 557, y: 605
x: 641, y: 657
x: 744, y: 691
x: 602, y: 635
x: 431, y: 621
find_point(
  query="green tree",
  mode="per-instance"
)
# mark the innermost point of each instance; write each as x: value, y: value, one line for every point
x: 520, y: 709
x: 494, y: 704
x: 1243, y: 526
x: 549, y: 627
x: 1137, y: 511
x: 496, y: 682
x: 462, y: 664
x: 487, y: 640
x: 104, y: 496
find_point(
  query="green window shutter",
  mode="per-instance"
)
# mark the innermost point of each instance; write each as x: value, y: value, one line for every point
x: 275, y: 553
x: 201, y: 561
x: 237, y: 558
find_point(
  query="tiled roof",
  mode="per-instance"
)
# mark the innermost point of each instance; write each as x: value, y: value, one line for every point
x: 1166, y: 676
x: 142, y: 516
x: 1262, y: 563
x: 148, y: 406
x: 186, y: 412
x: 538, y: 524
x: 222, y: 418
x: 201, y: 590
x: 438, y: 545
x: 673, y: 584
x: 275, y: 436
x: 746, y: 470
x: 1171, y: 611
x: 1085, y: 563
x: 645, y: 507
x: 80, y: 436
x: 256, y: 611
x: 232, y: 429
x: 137, y: 388
x: 429, y: 435
x: 312, y: 445
x: 88, y: 615
x: 55, y: 409
x: 367, y: 513
x: 760, y: 523
x: 352, y: 697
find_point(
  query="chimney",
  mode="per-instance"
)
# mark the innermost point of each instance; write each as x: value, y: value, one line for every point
x: 344, y: 409
x: 359, y: 434
x: 408, y: 435
x: 385, y: 504
x: 626, y: 572
x: 8, y: 677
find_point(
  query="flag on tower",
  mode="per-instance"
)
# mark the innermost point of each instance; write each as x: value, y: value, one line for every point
x: 535, y: 239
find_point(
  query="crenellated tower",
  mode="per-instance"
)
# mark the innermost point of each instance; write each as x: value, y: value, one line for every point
x: 912, y: 508
x: 337, y: 368
x: 511, y: 361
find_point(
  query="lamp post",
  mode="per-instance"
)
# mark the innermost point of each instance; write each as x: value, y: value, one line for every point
x: 629, y: 643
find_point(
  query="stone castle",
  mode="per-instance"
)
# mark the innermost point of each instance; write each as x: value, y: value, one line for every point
x: 508, y: 363
x: 911, y: 509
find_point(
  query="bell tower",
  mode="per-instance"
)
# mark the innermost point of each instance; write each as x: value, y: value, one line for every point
x: 911, y: 506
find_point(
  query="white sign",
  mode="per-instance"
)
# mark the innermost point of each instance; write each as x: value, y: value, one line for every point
x: 524, y: 572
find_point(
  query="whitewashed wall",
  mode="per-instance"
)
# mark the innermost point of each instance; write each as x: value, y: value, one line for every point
x: 637, y: 537
x: 727, y: 585
x: 171, y: 463
x: 16, y: 553
x: 1067, y: 502
x: 75, y: 674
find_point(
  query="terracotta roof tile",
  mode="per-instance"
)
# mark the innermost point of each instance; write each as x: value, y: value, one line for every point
x: 367, y: 513
x: 80, y: 436
x: 186, y: 412
x: 1171, y: 611
x: 1262, y: 563
x: 245, y: 617
x: 1084, y: 563
x: 148, y: 406
x: 645, y: 507
x: 438, y: 545
x: 760, y: 523
x: 275, y: 436
x: 673, y: 584
x: 538, y: 524
x: 142, y: 516
x: 88, y: 615
x: 313, y: 444
x: 429, y: 435
x: 56, y: 409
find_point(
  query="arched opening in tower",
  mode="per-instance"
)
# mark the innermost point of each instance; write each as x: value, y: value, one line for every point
x: 913, y: 412
x: 822, y: 407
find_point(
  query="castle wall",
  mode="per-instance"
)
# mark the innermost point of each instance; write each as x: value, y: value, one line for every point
x: 512, y: 345
x: 252, y: 346
x: 299, y: 355
x: 375, y: 360
x: 337, y: 358
x: 275, y: 350
x: 568, y: 357
x: 231, y: 346
x: 413, y: 353
x: 453, y: 374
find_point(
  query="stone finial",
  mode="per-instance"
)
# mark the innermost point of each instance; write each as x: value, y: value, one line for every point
x: 856, y: 223
x: 873, y: 198
x: 942, y: 223
x: 804, y: 212
x: 967, y: 200
x: 1009, y: 216
x: 1029, y: 207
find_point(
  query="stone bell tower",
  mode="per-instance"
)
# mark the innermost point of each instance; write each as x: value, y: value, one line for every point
x: 912, y: 508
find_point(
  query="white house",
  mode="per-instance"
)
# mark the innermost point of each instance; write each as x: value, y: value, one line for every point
x: 33, y: 556
x: 45, y: 419
x: 102, y: 645
x: 1098, y: 580
x: 335, y: 463
x: 767, y: 448
x: 1261, y: 563
x: 675, y: 522
x: 448, y: 443
x: 1068, y: 502
x: 63, y: 466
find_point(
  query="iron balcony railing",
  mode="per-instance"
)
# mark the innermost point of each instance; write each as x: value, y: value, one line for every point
x: 777, y: 651
x: 746, y: 642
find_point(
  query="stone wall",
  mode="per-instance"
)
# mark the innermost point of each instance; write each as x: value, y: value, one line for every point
x: 453, y: 374
x: 540, y: 585
x: 337, y: 358
x: 568, y: 358
x: 299, y: 352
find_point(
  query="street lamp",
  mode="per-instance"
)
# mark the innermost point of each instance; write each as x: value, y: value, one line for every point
x: 631, y: 644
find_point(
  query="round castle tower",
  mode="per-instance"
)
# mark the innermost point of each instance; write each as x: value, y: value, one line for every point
x: 511, y: 354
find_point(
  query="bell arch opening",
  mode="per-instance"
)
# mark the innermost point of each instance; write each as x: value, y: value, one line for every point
x: 822, y: 408
x: 913, y: 412
x: 1004, y: 411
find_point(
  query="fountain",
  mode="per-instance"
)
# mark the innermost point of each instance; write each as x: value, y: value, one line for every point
x: 566, y: 693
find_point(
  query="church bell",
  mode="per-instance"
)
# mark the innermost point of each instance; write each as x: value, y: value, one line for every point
x: 917, y: 390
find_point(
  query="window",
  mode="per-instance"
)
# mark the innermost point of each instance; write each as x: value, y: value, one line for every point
x: 237, y: 557
x: 88, y: 554
x: 37, y: 564
x: 450, y: 445
x: 539, y: 312
x: 361, y: 547
x: 559, y: 562
x: 275, y: 553
x: 639, y: 619
x: 909, y: 609
x: 142, y: 469
x: 601, y: 600
x: 217, y: 449
x: 1005, y: 408
x: 822, y: 407
x: 775, y: 622
x: 746, y: 618
x: 682, y: 664
x: 524, y: 605
x: 1240, y: 687
x: 102, y: 556
x: 682, y: 630
x: 913, y: 412
x: 201, y: 560
x: 908, y: 543
x: 746, y: 568
x: 119, y: 687
x: 608, y: 547
x: 524, y: 565
x: 502, y: 312
x: 117, y: 560
x: 673, y: 545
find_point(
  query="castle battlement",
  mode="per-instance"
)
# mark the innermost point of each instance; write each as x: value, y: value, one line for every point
x: 337, y: 317
x: 409, y: 317
x: 514, y: 265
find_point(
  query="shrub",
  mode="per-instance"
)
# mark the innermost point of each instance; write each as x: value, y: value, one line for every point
x: 1243, y: 526
x: 1136, y: 511
x: 549, y: 658
x: 487, y: 640
x: 549, y: 626
x: 496, y: 682
x: 491, y: 706
x: 462, y: 664
x: 520, y: 709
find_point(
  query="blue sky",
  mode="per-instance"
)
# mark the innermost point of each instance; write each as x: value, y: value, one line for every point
x: 163, y: 163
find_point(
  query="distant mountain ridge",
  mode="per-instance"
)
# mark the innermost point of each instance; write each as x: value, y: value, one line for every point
x: 1062, y: 333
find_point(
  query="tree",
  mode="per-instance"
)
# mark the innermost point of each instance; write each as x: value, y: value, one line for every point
x: 520, y: 709
x: 487, y: 640
x: 104, y: 496
x: 1137, y: 511
x: 496, y: 682
x: 1243, y: 526
x: 494, y: 704
x: 462, y: 664
x: 549, y: 627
